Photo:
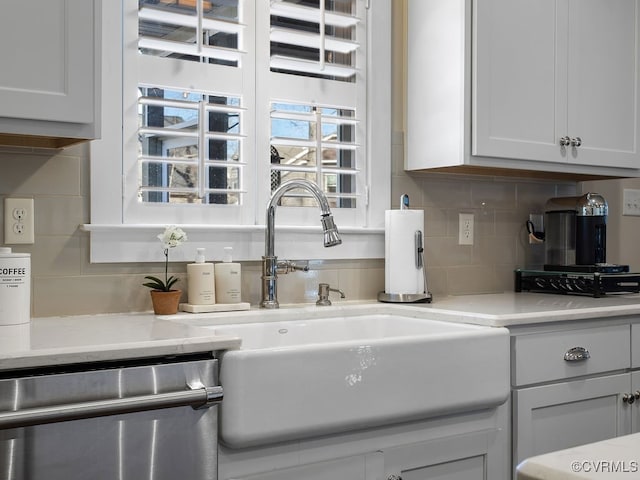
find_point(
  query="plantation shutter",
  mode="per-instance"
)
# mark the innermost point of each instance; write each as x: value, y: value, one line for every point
x: 194, y: 99
x: 317, y: 100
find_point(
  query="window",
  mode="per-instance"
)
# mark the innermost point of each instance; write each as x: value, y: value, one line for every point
x: 225, y: 100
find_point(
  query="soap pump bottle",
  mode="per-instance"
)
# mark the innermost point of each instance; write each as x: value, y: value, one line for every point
x: 228, y: 279
x: 200, y: 281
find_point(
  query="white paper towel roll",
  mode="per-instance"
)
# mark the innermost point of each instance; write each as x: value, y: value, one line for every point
x: 401, y: 276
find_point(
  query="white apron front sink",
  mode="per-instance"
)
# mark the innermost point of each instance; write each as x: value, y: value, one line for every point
x: 297, y: 379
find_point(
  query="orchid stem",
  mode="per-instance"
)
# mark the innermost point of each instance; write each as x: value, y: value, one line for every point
x: 166, y: 268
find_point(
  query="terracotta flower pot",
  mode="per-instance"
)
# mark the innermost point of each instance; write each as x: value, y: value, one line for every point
x: 165, y: 303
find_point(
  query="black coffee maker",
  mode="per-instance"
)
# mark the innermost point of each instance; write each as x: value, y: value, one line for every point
x: 576, y: 234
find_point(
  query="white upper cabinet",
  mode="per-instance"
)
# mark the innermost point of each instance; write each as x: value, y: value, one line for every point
x: 549, y: 86
x: 49, y: 86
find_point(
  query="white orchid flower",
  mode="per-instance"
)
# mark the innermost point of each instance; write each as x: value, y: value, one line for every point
x: 172, y: 237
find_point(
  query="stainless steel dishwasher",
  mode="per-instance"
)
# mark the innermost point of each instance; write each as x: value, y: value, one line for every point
x: 136, y: 420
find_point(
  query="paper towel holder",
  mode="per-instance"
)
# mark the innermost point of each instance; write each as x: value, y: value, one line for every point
x: 424, y: 297
x: 404, y: 297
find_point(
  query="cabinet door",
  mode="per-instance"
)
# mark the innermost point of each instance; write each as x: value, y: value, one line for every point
x: 357, y: 467
x: 463, y: 457
x: 47, y: 60
x: 563, y: 415
x: 519, y: 104
x: 603, y: 85
x: 635, y: 407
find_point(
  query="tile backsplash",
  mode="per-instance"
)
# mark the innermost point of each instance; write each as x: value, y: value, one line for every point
x: 65, y: 283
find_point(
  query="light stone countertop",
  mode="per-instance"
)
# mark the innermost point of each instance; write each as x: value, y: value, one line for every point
x: 616, y: 458
x: 516, y: 309
x: 492, y: 310
x: 90, y: 338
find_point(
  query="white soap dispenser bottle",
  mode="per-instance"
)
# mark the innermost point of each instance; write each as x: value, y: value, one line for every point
x: 200, y: 281
x: 228, y: 279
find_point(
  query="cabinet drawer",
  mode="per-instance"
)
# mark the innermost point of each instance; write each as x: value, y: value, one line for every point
x: 635, y: 346
x: 541, y: 357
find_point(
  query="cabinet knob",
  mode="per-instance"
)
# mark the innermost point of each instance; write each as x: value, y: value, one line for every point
x: 576, y: 142
x: 629, y: 398
x: 565, y: 141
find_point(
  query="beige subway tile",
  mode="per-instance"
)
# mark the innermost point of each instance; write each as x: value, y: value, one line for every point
x: 505, y: 276
x: 397, y: 160
x: 412, y: 186
x: 59, y: 215
x: 302, y: 287
x: 56, y: 255
x: 437, y: 281
x: 493, y: 194
x: 445, y: 252
x: 81, y: 295
x: 361, y: 284
x: 447, y: 193
x: 472, y: 280
x: 435, y: 222
x: 42, y: 175
x: 510, y: 222
x: 567, y: 190
x: 491, y: 251
x: 484, y: 222
x: 531, y: 197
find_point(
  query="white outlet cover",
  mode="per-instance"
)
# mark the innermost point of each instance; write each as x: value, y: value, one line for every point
x: 631, y: 202
x: 18, y: 221
x: 465, y: 229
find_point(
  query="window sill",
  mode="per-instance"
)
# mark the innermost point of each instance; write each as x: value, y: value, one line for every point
x: 139, y: 243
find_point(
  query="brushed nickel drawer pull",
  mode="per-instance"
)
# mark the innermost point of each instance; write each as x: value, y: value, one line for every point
x: 577, y: 354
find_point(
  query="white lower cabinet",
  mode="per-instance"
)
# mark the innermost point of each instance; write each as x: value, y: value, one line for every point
x: 635, y: 410
x: 466, y: 457
x: 461, y: 457
x: 359, y: 467
x: 563, y: 415
x: 573, y: 384
x: 469, y: 446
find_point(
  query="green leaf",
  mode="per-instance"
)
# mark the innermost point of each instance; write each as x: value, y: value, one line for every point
x: 170, y: 281
x: 155, y: 284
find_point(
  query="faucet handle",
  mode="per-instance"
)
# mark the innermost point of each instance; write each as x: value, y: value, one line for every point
x: 323, y: 294
x: 286, y: 266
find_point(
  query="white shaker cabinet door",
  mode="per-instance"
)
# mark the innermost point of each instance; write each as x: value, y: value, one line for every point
x: 603, y: 82
x: 635, y: 407
x: 47, y: 60
x: 563, y: 415
x: 471, y: 456
x: 358, y: 467
x: 557, y: 81
x: 518, y: 68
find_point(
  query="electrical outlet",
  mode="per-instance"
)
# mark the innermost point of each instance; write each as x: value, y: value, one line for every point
x: 630, y: 202
x: 465, y: 229
x: 18, y: 221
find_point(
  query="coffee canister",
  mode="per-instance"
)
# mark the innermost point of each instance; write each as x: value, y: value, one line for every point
x: 15, y: 287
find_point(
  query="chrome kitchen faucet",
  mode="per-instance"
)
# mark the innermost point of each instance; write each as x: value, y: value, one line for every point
x: 270, y: 265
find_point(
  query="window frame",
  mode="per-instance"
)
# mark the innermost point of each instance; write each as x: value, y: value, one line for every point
x: 111, y: 240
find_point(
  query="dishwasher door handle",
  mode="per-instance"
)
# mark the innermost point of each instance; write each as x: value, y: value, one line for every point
x: 200, y: 397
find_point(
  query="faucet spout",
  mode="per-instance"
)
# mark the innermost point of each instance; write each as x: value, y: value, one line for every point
x: 269, y: 261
